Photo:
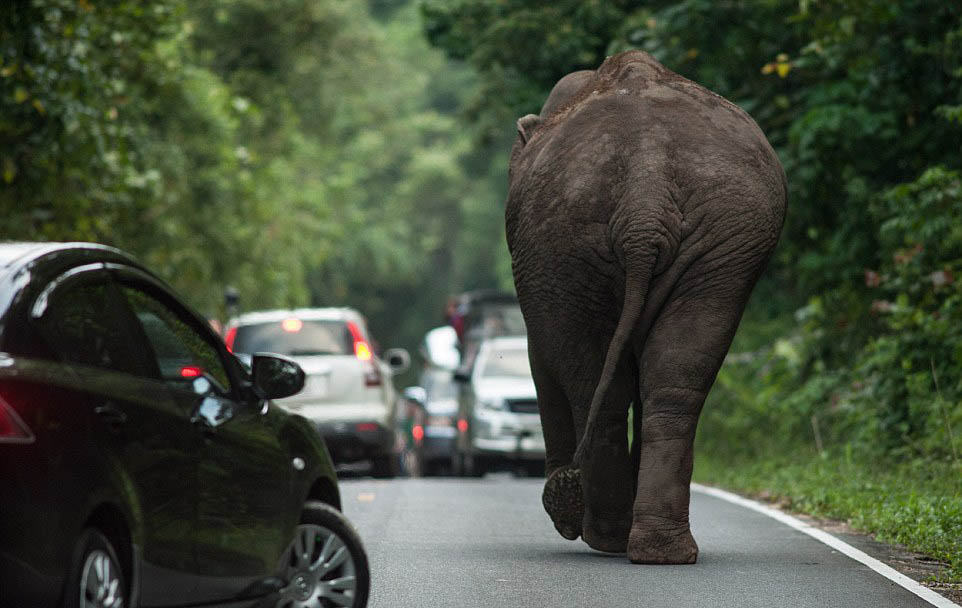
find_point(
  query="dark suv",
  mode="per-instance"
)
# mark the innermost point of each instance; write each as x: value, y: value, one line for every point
x: 140, y: 464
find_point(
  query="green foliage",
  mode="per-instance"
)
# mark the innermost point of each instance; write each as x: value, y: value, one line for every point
x: 72, y: 81
x: 299, y: 150
x: 521, y: 49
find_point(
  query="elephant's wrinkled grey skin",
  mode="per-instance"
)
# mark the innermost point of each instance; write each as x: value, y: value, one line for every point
x: 641, y: 210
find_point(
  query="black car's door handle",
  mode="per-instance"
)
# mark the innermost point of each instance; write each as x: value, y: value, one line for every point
x: 111, y: 416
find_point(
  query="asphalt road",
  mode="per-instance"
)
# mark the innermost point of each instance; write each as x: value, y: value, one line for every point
x: 466, y: 543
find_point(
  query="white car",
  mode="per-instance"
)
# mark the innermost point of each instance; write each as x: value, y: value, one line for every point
x: 498, y: 421
x: 348, y: 393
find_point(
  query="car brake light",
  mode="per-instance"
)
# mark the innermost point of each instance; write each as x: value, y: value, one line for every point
x: 463, y: 425
x: 417, y: 432
x: 366, y: 427
x: 362, y: 350
x: 12, y: 428
x: 292, y: 325
x: 229, y: 339
x: 190, y: 371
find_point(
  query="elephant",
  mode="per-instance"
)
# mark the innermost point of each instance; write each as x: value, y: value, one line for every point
x: 642, y: 209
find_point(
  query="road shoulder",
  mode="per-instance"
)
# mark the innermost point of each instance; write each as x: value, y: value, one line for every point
x: 918, y: 567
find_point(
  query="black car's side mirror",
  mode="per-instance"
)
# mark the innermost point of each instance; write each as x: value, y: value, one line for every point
x: 276, y: 376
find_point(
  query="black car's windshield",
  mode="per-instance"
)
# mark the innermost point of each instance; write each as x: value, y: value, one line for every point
x: 294, y: 337
x: 510, y: 362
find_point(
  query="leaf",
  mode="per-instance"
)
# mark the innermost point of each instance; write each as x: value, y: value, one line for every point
x: 9, y: 170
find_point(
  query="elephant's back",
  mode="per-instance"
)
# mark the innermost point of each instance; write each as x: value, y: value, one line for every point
x: 638, y: 127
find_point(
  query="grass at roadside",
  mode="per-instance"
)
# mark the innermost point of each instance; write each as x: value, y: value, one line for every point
x: 918, y: 505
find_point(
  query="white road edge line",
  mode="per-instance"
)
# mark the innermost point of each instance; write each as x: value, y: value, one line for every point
x: 841, y: 546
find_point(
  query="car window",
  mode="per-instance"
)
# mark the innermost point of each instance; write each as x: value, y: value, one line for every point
x: 294, y: 337
x: 512, y: 362
x: 493, y: 320
x: 182, y: 353
x: 82, y: 326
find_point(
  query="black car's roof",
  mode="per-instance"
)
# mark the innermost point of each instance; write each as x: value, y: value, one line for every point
x: 17, y: 254
x: 11, y: 251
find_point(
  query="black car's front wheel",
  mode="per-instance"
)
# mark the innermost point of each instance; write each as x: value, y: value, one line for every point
x: 325, y: 565
x: 96, y: 578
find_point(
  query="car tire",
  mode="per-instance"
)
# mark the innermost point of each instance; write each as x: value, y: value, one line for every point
x: 436, y: 468
x: 458, y: 464
x: 475, y: 466
x: 384, y: 466
x: 96, y: 578
x: 325, y: 561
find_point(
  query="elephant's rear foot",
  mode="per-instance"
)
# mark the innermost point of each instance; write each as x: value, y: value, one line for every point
x: 564, y: 501
x: 657, y: 544
x: 608, y: 534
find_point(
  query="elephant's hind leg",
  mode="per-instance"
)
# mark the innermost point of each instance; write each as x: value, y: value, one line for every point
x: 608, y: 472
x: 562, y: 496
x: 679, y: 361
x: 593, y: 502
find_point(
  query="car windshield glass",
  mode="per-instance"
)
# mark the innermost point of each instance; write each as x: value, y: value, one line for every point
x: 511, y: 362
x: 295, y: 338
x: 494, y: 320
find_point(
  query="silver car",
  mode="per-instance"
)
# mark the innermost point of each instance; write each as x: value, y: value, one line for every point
x: 498, y: 422
x: 348, y: 393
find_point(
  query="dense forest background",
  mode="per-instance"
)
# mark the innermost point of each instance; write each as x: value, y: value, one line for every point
x: 301, y: 151
x: 328, y: 152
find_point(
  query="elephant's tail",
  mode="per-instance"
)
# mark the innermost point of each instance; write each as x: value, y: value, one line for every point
x: 636, y: 287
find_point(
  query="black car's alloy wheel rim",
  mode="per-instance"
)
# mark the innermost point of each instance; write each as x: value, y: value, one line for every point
x: 320, y: 570
x: 100, y: 585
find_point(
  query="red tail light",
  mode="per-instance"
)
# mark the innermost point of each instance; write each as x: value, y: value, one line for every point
x: 463, y: 425
x: 366, y: 427
x: 190, y: 371
x: 417, y: 432
x: 229, y: 338
x: 12, y: 428
x: 362, y: 350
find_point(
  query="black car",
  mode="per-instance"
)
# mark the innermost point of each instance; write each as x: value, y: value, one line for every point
x: 140, y: 464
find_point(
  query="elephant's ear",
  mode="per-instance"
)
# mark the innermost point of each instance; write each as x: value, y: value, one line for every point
x: 526, y: 126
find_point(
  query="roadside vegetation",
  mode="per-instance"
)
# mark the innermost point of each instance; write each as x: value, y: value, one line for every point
x: 301, y: 151
x: 324, y: 152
